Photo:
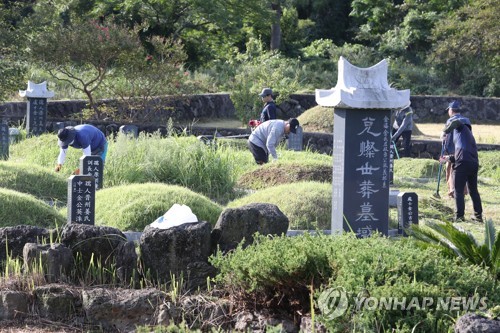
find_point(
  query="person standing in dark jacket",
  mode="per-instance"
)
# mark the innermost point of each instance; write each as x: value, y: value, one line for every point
x: 465, y: 168
x: 269, y: 110
x: 403, y: 127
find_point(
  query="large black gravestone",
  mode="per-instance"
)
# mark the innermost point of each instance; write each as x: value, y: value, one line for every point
x: 36, y: 115
x: 81, y: 199
x: 407, y: 211
x: 361, y: 150
x: 4, y: 142
x: 295, y: 139
x: 93, y: 166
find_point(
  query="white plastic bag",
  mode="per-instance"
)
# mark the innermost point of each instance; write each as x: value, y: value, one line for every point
x: 175, y: 216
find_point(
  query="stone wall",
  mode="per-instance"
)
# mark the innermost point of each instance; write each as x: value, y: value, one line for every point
x: 428, y: 109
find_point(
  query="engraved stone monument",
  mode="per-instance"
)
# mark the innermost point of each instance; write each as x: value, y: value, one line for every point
x: 362, y: 102
x: 81, y: 199
x: 4, y: 141
x: 294, y: 141
x: 36, y: 112
x: 93, y: 166
x: 407, y: 211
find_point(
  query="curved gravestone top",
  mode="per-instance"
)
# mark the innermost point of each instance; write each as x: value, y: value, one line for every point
x: 38, y: 90
x: 362, y: 88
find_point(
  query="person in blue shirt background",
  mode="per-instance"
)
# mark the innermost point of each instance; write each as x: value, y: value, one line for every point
x: 89, y: 138
x: 269, y: 110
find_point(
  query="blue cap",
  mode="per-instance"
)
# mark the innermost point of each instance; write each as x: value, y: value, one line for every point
x: 455, y: 105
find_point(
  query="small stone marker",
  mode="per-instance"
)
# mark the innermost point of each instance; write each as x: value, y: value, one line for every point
x: 4, y: 142
x: 81, y: 199
x: 14, y: 135
x: 130, y: 130
x: 295, y: 140
x: 93, y: 166
x: 36, y: 112
x: 407, y: 211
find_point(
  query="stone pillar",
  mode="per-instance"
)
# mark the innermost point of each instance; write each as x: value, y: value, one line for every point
x: 362, y: 102
x: 36, y: 111
x: 4, y: 141
x: 93, y: 166
x: 81, y: 199
x: 295, y: 140
x: 407, y: 211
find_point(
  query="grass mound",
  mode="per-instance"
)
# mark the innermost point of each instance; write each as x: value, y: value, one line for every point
x: 133, y: 207
x: 24, y: 209
x: 317, y: 119
x: 416, y: 168
x: 489, y: 165
x: 38, y: 181
x: 434, y: 209
x: 285, y: 173
x: 308, y: 205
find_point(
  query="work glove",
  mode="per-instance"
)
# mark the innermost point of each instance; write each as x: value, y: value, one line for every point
x: 58, y: 167
x: 76, y: 172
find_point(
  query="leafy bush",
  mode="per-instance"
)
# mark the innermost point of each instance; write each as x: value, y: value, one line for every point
x: 133, y: 207
x: 376, y: 266
x: 308, y: 205
x: 21, y: 177
x: 23, y: 209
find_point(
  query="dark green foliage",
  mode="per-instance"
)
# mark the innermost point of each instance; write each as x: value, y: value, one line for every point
x: 38, y: 181
x: 456, y: 242
x: 23, y: 209
x: 133, y: 207
x: 377, y: 266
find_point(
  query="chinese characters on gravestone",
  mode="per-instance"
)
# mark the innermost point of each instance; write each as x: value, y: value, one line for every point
x: 81, y: 199
x: 36, y: 112
x: 407, y: 211
x: 361, y: 168
x: 363, y: 101
x: 4, y: 142
x: 93, y: 166
x: 294, y: 141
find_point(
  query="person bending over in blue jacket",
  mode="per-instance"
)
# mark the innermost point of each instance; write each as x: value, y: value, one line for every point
x: 90, y: 139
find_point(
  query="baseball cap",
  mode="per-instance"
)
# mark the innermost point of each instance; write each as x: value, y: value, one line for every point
x: 294, y: 123
x: 66, y: 136
x: 455, y: 105
x: 265, y: 92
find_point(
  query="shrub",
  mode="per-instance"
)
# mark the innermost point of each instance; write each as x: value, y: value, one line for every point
x: 376, y: 266
x: 309, y: 206
x: 21, y: 177
x: 23, y: 209
x: 133, y: 207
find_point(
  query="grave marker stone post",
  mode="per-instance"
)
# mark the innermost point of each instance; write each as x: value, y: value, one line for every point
x: 407, y: 211
x: 130, y: 130
x: 93, y: 166
x: 81, y: 199
x: 36, y: 111
x: 295, y: 140
x: 362, y: 102
x: 4, y: 141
